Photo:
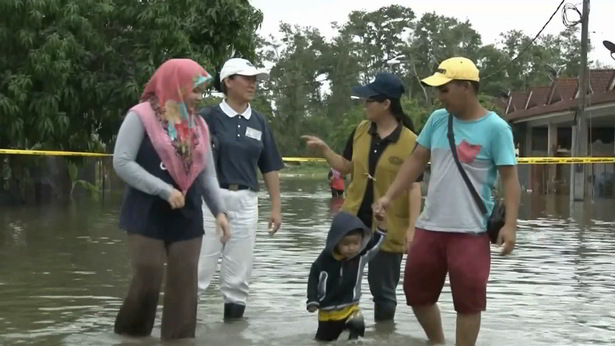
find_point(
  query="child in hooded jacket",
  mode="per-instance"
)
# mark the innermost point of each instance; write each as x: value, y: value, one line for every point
x: 334, y: 284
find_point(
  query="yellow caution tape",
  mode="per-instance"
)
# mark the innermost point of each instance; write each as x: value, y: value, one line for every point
x: 563, y: 160
x: 304, y: 159
x: 520, y: 160
x: 50, y: 153
x: 80, y: 153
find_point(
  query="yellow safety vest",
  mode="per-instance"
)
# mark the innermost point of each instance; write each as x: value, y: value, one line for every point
x: 398, y: 214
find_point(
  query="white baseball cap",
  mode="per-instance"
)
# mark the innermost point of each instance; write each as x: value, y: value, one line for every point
x: 241, y: 67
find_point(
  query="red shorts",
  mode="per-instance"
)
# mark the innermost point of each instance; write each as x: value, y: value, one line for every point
x: 467, y: 259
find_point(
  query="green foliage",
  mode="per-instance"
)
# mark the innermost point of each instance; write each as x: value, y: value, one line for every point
x: 90, y: 187
x: 310, y: 86
x: 71, y: 69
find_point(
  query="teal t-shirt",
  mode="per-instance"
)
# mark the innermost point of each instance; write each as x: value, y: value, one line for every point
x: 482, y: 145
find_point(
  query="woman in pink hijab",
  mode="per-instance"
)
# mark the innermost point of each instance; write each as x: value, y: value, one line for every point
x: 163, y: 153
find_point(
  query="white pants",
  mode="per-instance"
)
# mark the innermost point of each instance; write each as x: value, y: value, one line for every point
x: 237, y: 253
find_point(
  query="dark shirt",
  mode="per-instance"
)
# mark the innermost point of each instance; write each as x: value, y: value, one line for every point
x: 241, y: 143
x: 378, y: 145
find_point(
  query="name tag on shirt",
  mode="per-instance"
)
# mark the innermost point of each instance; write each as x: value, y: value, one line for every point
x: 253, y: 133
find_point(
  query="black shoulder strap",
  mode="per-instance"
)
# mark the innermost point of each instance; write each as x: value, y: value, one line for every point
x: 464, y: 175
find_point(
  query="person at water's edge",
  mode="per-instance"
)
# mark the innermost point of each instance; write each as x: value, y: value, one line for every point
x: 242, y: 142
x: 457, y: 242
x: 373, y: 155
x: 163, y: 153
x: 337, y: 183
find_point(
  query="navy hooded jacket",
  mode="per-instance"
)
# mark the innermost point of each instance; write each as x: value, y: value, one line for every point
x: 334, y: 284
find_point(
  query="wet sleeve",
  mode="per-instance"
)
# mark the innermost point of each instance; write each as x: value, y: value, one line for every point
x: 127, y: 146
x: 503, y: 146
x: 312, y: 289
x: 209, y: 183
x: 348, y: 149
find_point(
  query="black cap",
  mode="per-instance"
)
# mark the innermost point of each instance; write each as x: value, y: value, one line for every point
x: 385, y: 84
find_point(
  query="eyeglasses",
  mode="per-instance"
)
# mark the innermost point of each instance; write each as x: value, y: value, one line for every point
x: 372, y: 100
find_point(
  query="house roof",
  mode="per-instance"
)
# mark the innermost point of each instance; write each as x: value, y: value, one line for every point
x: 538, y: 96
x: 561, y: 96
x: 601, y: 80
x: 563, y: 89
x: 517, y: 101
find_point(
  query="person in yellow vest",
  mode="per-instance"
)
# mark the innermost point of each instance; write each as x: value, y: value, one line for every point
x: 373, y: 155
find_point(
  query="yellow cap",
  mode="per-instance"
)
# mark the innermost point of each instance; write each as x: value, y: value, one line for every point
x: 456, y: 68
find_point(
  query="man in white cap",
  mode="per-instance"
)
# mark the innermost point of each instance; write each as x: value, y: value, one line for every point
x: 452, y: 234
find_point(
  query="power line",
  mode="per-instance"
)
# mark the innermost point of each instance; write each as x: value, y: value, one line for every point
x: 529, y: 44
x: 565, y: 19
x: 567, y: 22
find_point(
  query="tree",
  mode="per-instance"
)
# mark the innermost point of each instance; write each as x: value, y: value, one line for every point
x: 294, y: 85
x: 71, y: 69
x: 434, y: 39
x: 74, y: 67
x: 340, y: 64
x: 377, y: 36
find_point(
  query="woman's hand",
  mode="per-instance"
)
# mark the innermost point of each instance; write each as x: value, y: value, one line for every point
x: 176, y: 199
x: 223, y: 225
x: 315, y: 143
x: 275, y: 220
x: 380, y: 206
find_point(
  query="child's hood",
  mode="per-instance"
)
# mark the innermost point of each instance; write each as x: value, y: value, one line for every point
x: 343, y: 223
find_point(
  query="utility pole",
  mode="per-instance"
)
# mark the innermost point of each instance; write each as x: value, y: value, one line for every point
x: 578, y: 176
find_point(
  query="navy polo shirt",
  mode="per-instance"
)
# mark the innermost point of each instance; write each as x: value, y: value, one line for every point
x: 377, y: 147
x: 241, y: 143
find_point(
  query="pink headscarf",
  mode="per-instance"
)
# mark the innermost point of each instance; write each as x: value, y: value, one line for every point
x: 177, y: 134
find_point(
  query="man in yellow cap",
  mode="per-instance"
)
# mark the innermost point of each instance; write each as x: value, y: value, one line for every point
x: 451, y: 235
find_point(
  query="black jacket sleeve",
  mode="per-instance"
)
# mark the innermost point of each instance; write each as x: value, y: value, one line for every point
x: 374, y: 244
x: 312, y: 290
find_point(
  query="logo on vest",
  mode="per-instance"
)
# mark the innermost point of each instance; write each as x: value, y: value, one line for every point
x: 396, y: 160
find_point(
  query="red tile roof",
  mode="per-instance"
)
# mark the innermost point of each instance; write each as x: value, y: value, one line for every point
x: 563, y: 89
x: 560, y: 96
x: 560, y: 106
x: 539, y: 96
x: 601, y: 80
x: 517, y: 101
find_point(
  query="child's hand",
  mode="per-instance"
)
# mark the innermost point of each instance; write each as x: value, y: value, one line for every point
x: 381, y: 222
x: 312, y: 308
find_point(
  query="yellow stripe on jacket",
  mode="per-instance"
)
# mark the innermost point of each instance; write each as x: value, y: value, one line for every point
x: 338, y: 315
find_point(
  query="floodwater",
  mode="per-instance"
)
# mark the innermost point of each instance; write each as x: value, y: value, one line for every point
x: 64, y: 272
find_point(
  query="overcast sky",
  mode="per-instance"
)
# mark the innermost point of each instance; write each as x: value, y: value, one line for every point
x: 489, y: 18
